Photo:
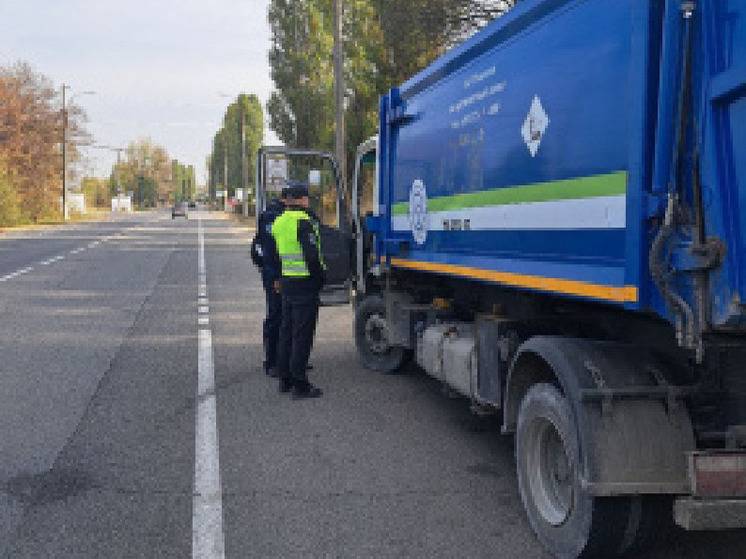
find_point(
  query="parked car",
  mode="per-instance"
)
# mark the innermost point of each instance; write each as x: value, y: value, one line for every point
x: 179, y: 209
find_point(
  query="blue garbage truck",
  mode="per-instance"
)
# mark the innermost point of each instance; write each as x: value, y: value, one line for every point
x: 552, y: 222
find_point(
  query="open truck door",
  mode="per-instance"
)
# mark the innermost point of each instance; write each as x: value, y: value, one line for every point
x: 319, y: 169
x: 365, y: 197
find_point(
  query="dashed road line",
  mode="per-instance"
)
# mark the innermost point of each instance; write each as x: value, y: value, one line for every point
x: 17, y: 273
x: 208, y: 538
x: 52, y: 260
x: 58, y: 258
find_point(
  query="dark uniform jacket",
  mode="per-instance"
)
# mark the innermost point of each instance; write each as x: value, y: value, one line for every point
x: 262, y: 245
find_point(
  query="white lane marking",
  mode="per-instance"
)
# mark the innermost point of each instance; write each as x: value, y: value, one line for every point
x: 208, y: 539
x: 202, y: 300
x: 77, y: 250
x: 203, y: 321
x: 203, y: 310
x: 17, y: 273
x: 52, y: 260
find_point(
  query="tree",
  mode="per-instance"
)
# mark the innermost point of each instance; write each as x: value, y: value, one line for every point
x: 385, y: 43
x: 96, y: 191
x: 146, y: 172
x: 182, y: 181
x: 31, y: 123
x: 10, y: 207
x: 227, y: 144
x: 301, y: 110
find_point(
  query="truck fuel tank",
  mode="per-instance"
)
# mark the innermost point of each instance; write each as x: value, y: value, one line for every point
x: 447, y: 352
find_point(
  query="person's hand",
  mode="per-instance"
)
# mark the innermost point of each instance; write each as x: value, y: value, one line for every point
x: 276, y: 286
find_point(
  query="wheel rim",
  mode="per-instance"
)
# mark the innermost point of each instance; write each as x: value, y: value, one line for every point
x: 376, y: 334
x: 551, y: 474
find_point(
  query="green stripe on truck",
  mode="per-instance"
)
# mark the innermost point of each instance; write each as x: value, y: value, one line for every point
x: 610, y: 184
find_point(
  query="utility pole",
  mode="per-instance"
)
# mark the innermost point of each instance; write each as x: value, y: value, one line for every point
x: 64, y: 154
x: 225, y: 173
x: 119, y: 160
x: 210, y: 181
x: 339, y: 94
x: 243, y: 161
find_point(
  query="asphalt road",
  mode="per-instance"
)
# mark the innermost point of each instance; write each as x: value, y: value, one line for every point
x: 108, y: 391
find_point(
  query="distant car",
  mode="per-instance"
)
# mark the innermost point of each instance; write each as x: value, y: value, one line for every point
x: 180, y: 208
x: 192, y: 204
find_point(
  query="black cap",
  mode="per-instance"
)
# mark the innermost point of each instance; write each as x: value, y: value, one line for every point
x: 295, y: 189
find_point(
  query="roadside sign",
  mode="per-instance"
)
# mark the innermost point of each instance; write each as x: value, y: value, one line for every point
x: 239, y: 194
x: 277, y: 173
x: 221, y: 193
x: 314, y: 177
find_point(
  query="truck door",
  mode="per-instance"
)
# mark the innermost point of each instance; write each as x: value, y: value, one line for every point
x: 275, y: 166
x: 364, y: 203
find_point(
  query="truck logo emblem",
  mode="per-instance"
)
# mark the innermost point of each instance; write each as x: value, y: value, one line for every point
x: 418, y: 218
x: 534, y: 126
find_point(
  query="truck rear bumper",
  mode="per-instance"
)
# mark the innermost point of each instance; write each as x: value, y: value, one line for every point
x: 709, y: 514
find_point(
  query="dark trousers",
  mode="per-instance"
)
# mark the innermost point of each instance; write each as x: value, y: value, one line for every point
x: 271, y: 326
x: 300, y: 313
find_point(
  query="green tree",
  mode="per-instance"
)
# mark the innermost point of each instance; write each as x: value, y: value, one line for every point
x: 183, y: 181
x: 97, y: 192
x: 385, y: 43
x: 146, y: 173
x: 301, y: 110
x: 245, y: 113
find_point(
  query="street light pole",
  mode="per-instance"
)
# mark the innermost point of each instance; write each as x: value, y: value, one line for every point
x: 339, y: 89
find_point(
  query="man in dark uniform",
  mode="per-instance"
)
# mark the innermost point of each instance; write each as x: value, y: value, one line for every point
x: 261, y: 251
x: 298, y: 252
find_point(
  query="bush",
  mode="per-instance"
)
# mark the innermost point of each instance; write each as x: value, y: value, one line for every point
x: 10, y: 207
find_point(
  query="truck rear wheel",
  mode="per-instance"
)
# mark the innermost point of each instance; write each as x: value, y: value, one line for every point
x: 568, y: 521
x: 371, y: 337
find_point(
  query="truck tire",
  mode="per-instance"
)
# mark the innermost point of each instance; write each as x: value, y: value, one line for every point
x: 568, y: 521
x: 371, y: 337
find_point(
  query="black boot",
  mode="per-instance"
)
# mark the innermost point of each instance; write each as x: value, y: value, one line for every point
x: 286, y: 385
x: 307, y: 391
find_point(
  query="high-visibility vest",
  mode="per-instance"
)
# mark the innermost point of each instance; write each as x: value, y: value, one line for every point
x: 285, y: 233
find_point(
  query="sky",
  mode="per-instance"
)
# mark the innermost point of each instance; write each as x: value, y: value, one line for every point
x: 161, y: 69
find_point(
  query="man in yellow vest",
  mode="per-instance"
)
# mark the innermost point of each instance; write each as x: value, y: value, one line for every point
x: 298, y: 251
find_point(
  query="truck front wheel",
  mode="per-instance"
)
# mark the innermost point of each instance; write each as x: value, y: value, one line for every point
x: 568, y: 521
x: 371, y: 337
